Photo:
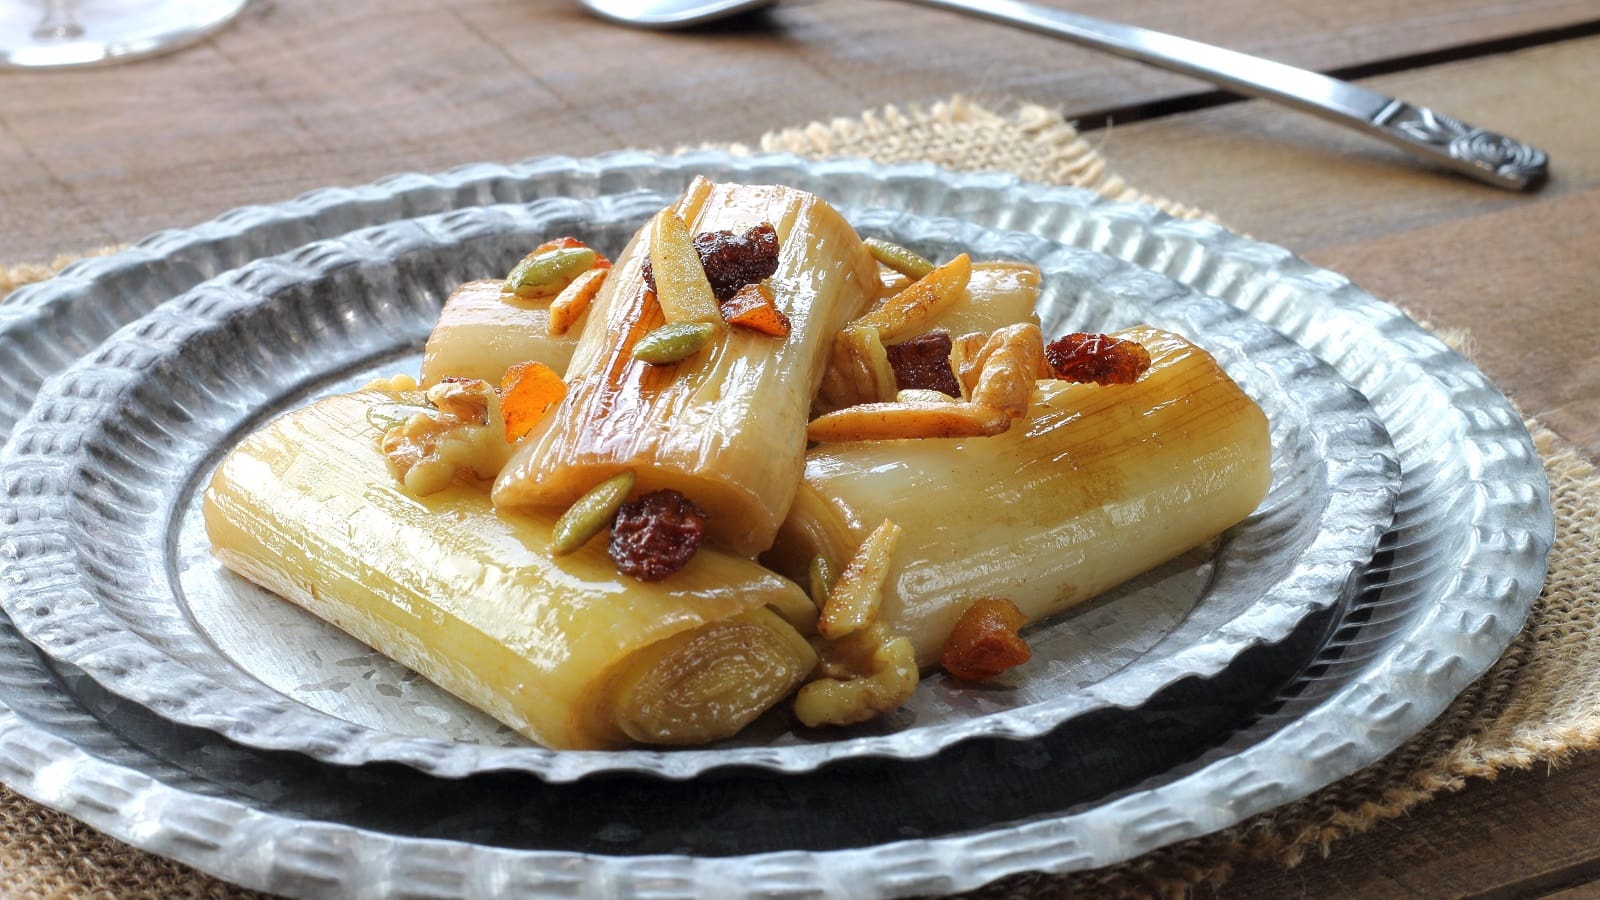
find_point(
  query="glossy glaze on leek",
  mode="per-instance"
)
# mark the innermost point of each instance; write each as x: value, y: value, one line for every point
x: 1097, y: 485
x: 472, y: 598
x: 726, y: 426
x: 482, y: 332
x: 998, y: 293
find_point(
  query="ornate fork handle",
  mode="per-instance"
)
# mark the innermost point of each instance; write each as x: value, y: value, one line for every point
x: 1484, y: 155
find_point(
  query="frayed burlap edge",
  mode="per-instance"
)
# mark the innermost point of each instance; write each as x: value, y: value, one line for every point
x: 15, y: 276
x: 1536, y: 706
x: 1029, y: 140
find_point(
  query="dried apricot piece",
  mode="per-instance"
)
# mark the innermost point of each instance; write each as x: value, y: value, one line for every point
x: 752, y: 308
x: 1099, y: 358
x: 527, y: 390
x: 985, y: 642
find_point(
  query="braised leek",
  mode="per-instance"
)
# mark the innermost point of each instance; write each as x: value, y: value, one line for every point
x: 997, y: 294
x: 562, y: 649
x: 482, y: 332
x: 1094, y: 486
x: 726, y: 426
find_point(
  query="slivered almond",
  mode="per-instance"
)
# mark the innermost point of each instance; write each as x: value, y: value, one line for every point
x: 909, y: 312
x: 854, y: 599
x: 682, y: 288
x: 892, y: 421
x: 920, y: 395
x: 569, y: 305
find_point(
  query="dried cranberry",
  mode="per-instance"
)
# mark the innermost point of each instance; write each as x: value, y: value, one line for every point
x: 1099, y: 358
x: 656, y: 535
x: 733, y: 261
x: 924, y: 363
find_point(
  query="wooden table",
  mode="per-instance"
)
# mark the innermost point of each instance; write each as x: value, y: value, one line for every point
x: 301, y: 94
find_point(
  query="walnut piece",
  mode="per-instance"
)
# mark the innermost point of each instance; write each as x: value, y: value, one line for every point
x: 867, y: 674
x: 464, y: 433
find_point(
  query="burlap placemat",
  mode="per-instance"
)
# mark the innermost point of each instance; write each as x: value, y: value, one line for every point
x: 1537, y: 705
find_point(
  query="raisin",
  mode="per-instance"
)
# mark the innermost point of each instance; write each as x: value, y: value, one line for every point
x: 733, y: 261
x: 1099, y: 358
x: 923, y: 363
x: 656, y: 535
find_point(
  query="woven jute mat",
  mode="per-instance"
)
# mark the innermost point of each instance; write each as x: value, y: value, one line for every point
x: 1538, y: 705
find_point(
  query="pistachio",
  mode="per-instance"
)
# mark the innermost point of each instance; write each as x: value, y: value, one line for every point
x: 590, y: 514
x: 673, y: 342
x: 898, y: 258
x: 822, y: 577
x: 545, y: 274
x: 384, y: 416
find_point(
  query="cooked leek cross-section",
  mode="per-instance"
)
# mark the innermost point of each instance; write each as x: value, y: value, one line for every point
x: 482, y: 332
x: 725, y: 427
x: 562, y: 649
x: 1094, y: 486
x: 998, y: 294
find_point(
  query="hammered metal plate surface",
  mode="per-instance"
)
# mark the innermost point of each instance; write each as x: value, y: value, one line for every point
x: 112, y: 571
x: 1456, y: 577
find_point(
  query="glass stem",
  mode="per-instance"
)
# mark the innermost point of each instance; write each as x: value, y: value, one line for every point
x: 58, y: 23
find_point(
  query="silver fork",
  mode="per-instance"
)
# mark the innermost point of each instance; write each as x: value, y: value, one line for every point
x: 1478, y: 153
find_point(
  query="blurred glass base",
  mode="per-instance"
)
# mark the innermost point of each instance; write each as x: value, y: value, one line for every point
x: 65, y: 33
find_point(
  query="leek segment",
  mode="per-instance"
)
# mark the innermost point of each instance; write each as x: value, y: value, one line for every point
x: 1096, y: 485
x: 725, y: 427
x: 998, y: 293
x: 482, y: 332
x: 472, y: 598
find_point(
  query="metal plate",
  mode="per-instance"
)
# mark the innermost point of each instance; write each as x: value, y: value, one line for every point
x: 1459, y: 570
x: 112, y: 573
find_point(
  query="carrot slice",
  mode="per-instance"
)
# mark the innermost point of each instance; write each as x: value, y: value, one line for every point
x: 752, y: 308
x: 528, y: 390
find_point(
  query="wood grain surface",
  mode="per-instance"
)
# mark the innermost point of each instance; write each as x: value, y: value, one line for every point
x: 1521, y: 271
x: 301, y: 94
